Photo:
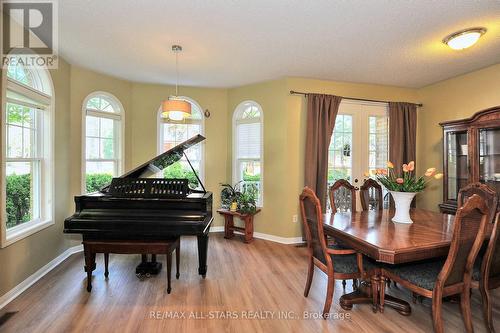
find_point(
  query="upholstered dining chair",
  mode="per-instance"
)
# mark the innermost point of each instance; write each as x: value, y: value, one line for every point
x: 371, y: 195
x: 441, y: 278
x: 335, y: 263
x: 487, y: 273
x: 342, y: 196
x: 484, y: 191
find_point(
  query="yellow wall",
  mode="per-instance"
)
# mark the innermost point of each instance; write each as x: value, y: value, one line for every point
x: 23, y: 258
x: 455, y: 98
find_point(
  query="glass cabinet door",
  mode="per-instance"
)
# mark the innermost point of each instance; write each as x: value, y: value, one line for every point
x: 489, y: 157
x: 457, y: 156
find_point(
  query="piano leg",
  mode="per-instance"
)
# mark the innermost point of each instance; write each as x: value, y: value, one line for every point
x: 89, y: 264
x: 202, y: 254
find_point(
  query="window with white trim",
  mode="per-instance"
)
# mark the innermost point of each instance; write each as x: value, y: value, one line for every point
x: 172, y: 132
x: 103, y: 140
x: 27, y: 152
x: 248, y: 146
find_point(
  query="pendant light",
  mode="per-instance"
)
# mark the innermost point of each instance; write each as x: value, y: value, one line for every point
x: 175, y: 108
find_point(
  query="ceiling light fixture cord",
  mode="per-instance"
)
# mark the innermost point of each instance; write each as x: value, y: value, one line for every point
x: 176, y: 73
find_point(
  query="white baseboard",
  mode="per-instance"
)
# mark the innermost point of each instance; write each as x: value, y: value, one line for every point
x: 272, y: 238
x: 17, y: 290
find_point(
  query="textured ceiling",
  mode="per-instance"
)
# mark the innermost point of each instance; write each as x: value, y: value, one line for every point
x: 233, y: 42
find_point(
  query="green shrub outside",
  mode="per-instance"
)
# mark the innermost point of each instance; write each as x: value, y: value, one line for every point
x: 18, y: 190
x: 176, y: 171
x: 94, y: 182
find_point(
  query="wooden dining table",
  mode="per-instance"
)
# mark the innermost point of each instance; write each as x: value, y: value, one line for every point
x: 373, y: 234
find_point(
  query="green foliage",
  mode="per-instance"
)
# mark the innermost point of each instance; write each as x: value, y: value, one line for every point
x: 245, y: 195
x: 18, y: 203
x: 177, y: 171
x: 251, y: 178
x: 336, y: 174
x: 94, y: 182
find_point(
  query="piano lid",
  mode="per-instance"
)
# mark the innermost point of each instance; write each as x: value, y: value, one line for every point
x: 162, y: 161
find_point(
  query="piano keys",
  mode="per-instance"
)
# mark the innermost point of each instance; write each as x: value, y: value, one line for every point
x: 135, y: 207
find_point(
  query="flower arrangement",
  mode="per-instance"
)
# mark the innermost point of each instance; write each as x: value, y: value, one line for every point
x: 408, y: 181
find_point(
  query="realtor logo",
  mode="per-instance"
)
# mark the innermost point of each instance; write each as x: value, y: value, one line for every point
x: 29, y: 33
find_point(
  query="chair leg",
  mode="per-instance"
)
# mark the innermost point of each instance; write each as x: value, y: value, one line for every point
x: 343, y: 284
x: 310, y: 273
x: 437, y: 303
x: 376, y: 286
x: 488, y: 319
x: 329, y: 295
x: 169, y: 271
x: 382, y: 293
x: 466, y: 311
x: 414, y: 298
x: 106, y: 264
x: 355, y: 284
x: 177, y: 259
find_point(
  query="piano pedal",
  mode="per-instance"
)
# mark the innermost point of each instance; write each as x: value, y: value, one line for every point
x: 148, y: 268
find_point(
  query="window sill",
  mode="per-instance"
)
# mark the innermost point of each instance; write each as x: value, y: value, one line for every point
x: 24, y: 230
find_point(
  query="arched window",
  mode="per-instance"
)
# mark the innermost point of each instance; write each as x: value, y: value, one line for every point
x: 103, y: 144
x: 27, y: 152
x: 171, y: 133
x: 248, y: 146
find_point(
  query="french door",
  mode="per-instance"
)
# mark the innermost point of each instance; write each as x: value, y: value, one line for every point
x: 360, y: 141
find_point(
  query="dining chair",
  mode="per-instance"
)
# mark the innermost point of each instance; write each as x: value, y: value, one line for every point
x: 371, y: 195
x: 342, y: 196
x: 335, y: 263
x: 484, y: 191
x: 440, y: 278
x: 486, y: 273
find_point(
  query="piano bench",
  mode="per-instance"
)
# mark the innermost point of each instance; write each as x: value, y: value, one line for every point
x: 92, y: 247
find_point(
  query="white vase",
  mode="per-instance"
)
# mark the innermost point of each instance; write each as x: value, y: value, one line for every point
x: 402, y: 200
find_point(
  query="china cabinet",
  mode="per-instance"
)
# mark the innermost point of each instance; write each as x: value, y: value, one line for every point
x: 471, y: 153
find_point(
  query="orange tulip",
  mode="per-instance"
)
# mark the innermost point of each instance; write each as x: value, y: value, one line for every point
x: 400, y: 181
x: 366, y: 174
x: 384, y: 172
x: 390, y: 165
x: 405, y: 168
x: 430, y: 172
x: 373, y: 172
x: 411, y: 166
x: 438, y: 175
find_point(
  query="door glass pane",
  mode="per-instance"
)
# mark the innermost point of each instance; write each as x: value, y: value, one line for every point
x: 489, y: 157
x: 340, y: 150
x: 457, y: 158
x: 378, y: 151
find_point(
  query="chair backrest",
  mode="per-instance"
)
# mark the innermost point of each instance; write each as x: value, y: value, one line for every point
x: 484, y: 191
x: 468, y: 235
x: 342, y: 196
x: 312, y: 218
x: 371, y: 195
x: 490, y: 268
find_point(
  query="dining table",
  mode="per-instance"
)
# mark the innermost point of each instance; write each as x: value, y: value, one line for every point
x: 376, y: 236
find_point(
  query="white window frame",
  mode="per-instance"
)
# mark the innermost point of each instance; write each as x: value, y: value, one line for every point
x: 119, y: 115
x: 45, y: 201
x: 160, y: 138
x: 238, y: 111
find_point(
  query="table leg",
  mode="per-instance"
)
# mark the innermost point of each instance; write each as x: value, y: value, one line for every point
x: 249, y: 229
x: 360, y: 296
x: 228, y: 226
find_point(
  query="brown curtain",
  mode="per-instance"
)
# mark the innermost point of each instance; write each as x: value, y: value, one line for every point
x: 402, y: 133
x: 321, y: 113
x: 402, y: 136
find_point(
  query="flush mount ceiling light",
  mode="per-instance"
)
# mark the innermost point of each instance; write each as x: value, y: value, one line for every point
x: 465, y: 38
x: 174, y: 107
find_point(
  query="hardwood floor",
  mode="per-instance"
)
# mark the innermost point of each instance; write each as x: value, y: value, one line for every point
x: 251, y: 281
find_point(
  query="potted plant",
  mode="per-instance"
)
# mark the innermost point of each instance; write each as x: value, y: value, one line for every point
x: 241, y: 197
x: 403, y: 187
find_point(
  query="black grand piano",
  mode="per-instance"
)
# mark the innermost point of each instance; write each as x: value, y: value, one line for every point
x: 135, y: 207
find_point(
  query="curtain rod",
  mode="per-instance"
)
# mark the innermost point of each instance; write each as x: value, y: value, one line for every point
x: 352, y: 98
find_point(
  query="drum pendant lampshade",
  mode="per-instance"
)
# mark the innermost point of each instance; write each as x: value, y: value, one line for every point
x: 176, y: 109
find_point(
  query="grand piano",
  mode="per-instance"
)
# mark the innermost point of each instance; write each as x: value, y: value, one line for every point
x: 137, y: 207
